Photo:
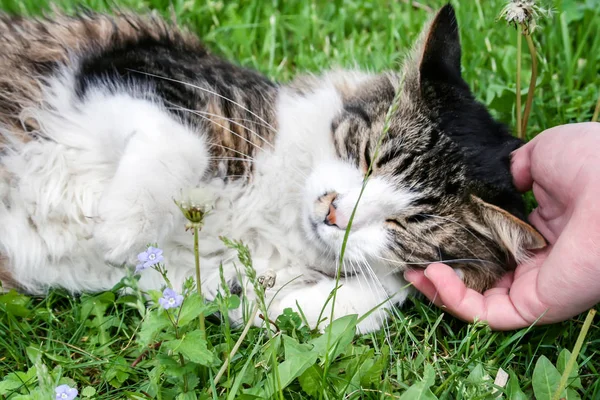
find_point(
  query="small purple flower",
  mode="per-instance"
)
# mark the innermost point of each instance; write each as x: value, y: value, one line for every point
x: 170, y: 299
x: 148, y: 258
x: 65, y: 392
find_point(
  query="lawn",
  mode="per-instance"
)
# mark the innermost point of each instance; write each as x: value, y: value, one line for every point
x: 112, y: 347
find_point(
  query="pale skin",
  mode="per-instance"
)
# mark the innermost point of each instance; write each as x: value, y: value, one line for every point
x: 562, y: 166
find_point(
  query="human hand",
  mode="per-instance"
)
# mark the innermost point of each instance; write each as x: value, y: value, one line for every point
x: 562, y: 165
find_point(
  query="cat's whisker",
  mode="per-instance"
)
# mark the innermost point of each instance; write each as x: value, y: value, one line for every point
x: 379, y: 299
x: 233, y: 121
x: 299, y: 171
x: 465, y: 246
x: 235, y: 176
x: 463, y: 227
x: 228, y: 130
x: 231, y: 159
x: 204, y: 90
x: 358, y: 272
x: 200, y: 114
x: 456, y: 260
x: 425, y: 263
x: 230, y: 149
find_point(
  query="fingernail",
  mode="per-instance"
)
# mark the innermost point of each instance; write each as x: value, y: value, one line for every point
x: 406, y: 275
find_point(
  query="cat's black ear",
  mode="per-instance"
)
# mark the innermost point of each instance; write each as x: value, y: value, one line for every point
x: 514, y: 235
x: 440, y: 60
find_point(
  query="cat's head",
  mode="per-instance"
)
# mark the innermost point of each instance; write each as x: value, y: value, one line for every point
x: 440, y: 188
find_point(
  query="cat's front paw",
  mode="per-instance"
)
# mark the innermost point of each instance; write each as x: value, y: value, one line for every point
x: 121, y: 240
x: 123, y: 230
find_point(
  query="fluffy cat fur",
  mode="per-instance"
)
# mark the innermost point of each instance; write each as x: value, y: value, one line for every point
x: 105, y: 119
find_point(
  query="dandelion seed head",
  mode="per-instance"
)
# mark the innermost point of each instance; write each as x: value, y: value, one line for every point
x: 170, y: 299
x: 523, y: 12
x: 65, y: 392
x: 194, y: 204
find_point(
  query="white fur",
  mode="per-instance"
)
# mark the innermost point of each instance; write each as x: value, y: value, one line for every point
x: 98, y: 183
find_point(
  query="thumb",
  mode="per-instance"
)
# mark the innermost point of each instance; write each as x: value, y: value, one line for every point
x: 520, y: 167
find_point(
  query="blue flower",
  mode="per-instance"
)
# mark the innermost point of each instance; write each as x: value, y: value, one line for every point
x: 148, y: 258
x: 65, y: 392
x: 170, y: 299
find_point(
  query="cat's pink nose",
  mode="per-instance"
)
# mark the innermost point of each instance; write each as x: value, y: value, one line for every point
x: 330, y: 219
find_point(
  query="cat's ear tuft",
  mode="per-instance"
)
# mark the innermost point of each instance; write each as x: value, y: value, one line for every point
x: 440, y: 59
x: 513, y: 234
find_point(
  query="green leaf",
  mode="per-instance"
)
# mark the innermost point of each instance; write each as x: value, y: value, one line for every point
x: 311, y: 380
x: 545, y: 379
x: 155, y: 322
x: 15, y: 380
x: 574, y: 379
x: 187, y: 396
x: 9, y: 385
x: 193, y: 347
x: 34, y: 353
x: 571, y: 394
x: 513, y: 390
x: 299, y: 357
x: 88, y: 391
x: 341, y: 332
x: 419, y: 391
x: 429, y: 375
x: 233, y: 302
x: 192, y: 307
x: 478, y: 375
x: 372, y: 375
x: 15, y: 303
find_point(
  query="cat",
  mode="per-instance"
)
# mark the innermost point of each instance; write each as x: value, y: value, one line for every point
x: 104, y: 120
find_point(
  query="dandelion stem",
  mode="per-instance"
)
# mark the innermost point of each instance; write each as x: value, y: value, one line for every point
x: 198, y: 280
x: 519, y: 51
x: 596, y: 111
x: 571, y: 362
x: 532, y: 82
x: 237, y: 345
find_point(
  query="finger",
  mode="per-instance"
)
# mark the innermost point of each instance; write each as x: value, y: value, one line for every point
x: 520, y: 167
x: 534, y: 263
x: 495, y: 291
x: 418, y: 279
x: 469, y: 305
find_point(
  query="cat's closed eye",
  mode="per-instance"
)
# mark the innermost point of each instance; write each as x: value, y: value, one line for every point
x: 412, y: 219
x: 367, y: 156
x: 417, y: 218
x: 395, y: 223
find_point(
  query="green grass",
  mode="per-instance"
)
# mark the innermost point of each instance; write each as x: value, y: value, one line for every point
x: 92, y: 341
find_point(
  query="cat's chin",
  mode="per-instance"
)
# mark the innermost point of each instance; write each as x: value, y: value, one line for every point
x: 330, y: 239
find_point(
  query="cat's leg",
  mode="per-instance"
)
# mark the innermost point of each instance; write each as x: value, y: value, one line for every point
x: 160, y: 156
x: 355, y: 295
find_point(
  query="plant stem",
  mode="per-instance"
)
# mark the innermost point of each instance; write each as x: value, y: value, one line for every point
x: 163, y: 272
x: 532, y: 82
x: 596, y: 111
x: 185, y: 380
x: 519, y: 51
x: 198, y: 280
x: 237, y: 345
x: 571, y: 363
x: 181, y: 360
